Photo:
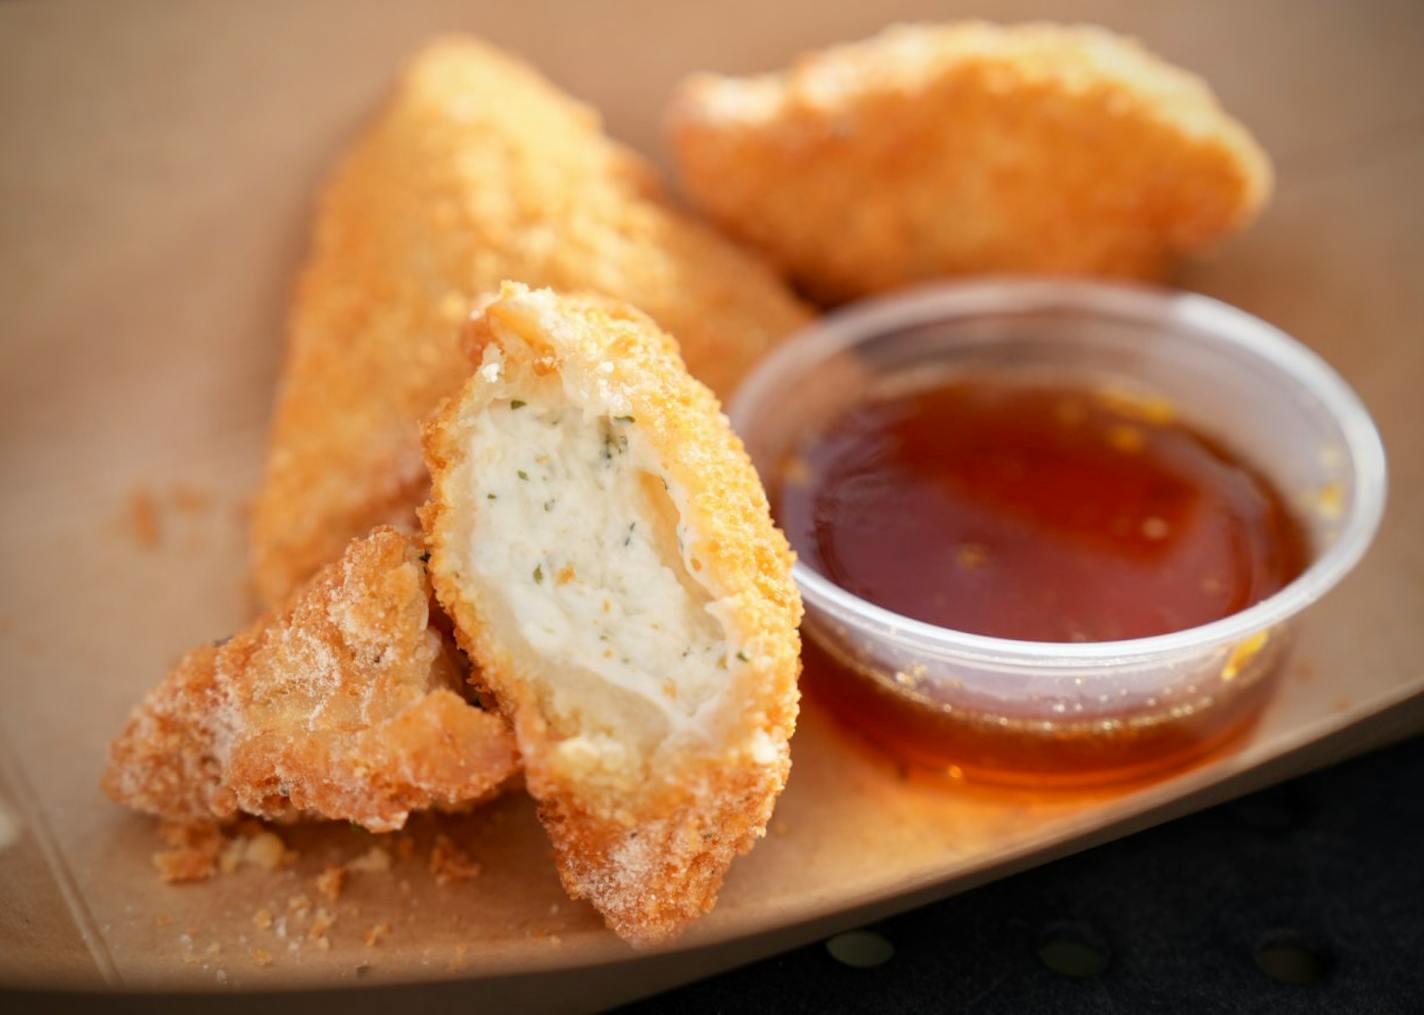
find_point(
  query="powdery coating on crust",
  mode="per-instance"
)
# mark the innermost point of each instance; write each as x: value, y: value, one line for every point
x: 340, y: 704
x: 928, y: 151
x: 649, y: 850
x: 479, y: 170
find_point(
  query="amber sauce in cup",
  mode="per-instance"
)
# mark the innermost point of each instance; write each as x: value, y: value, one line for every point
x: 1042, y: 513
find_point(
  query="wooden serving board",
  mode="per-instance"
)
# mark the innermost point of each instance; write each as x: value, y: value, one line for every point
x: 159, y: 163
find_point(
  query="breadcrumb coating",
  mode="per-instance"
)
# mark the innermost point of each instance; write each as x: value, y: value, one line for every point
x: 340, y: 704
x: 647, y: 802
x: 478, y: 170
x: 930, y: 151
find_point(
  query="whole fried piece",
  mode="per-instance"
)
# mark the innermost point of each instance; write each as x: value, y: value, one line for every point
x: 479, y: 170
x: 605, y: 549
x: 340, y: 704
x: 928, y: 151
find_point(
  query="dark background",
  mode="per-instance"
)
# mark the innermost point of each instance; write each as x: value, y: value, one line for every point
x: 1335, y: 91
x: 1318, y: 880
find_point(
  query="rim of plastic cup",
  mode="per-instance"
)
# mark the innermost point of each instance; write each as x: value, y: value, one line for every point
x: 1184, y: 312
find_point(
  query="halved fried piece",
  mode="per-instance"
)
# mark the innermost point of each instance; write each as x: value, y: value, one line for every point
x: 343, y: 703
x: 479, y: 170
x: 928, y: 151
x: 605, y: 549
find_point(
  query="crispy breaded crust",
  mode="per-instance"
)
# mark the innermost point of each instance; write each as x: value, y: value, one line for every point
x: 479, y: 170
x: 929, y: 151
x: 338, y: 705
x: 649, y: 849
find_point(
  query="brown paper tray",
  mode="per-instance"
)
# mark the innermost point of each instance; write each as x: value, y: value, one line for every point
x: 159, y: 166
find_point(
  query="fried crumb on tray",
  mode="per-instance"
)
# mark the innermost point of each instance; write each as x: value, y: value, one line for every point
x: 143, y: 516
x: 256, y: 847
x: 449, y: 863
x: 142, y: 521
x: 330, y: 882
x: 405, y: 846
x: 192, y: 853
x: 322, y: 922
x: 376, y: 860
x: 192, y: 500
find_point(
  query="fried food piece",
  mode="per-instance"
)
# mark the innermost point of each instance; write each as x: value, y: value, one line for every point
x: 928, y: 151
x: 478, y: 171
x: 340, y: 704
x: 605, y: 549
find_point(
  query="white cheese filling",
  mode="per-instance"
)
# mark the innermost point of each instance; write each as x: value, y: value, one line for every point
x: 577, y: 535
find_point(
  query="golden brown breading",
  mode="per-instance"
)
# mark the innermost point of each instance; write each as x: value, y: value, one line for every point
x: 605, y: 549
x: 478, y: 171
x: 340, y: 704
x: 929, y: 151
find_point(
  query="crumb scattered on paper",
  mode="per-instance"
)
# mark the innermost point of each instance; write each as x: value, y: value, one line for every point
x: 142, y: 517
x: 321, y: 923
x: 268, y: 851
x: 299, y: 906
x: 231, y: 856
x: 259, y: 848
x: 191, y: 499
x: 303, y: 900
x: 450, y: 863
x: 147, y: 515
x: 192, y: 854
x: 374, y: 861
x: 330, y: 881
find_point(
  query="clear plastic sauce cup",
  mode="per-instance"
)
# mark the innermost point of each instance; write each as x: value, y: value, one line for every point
x: 1079, y: 713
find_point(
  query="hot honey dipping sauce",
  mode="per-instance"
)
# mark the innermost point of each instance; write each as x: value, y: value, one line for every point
x: 1042, y: 512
